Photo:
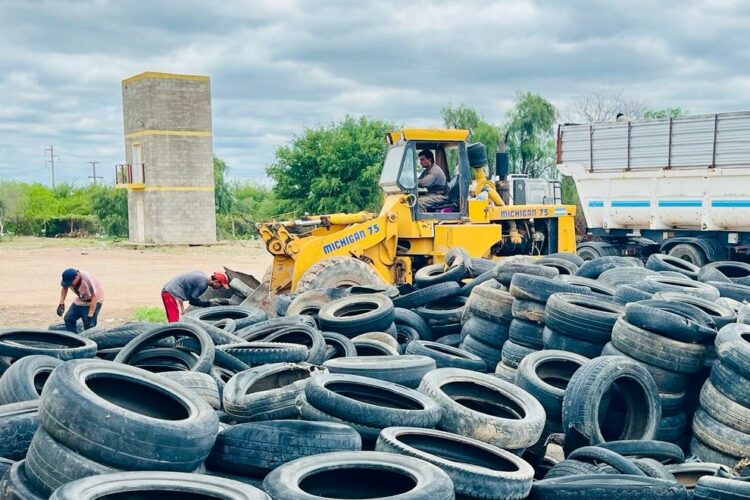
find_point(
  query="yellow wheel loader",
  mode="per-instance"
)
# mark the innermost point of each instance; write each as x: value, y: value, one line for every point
x: 510, y: 215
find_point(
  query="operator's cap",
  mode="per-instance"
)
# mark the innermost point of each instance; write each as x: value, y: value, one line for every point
x: 68, y: 276
x: 221, y: 278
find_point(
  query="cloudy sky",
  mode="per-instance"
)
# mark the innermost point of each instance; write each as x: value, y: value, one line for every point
x: 277, y: 66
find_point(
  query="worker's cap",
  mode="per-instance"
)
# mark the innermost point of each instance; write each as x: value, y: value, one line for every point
x: 221, y: 278
x: 68, y: 276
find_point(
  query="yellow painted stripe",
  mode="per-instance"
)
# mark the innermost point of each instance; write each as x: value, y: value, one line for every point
x: 182, y: 133
x: 166, y: 76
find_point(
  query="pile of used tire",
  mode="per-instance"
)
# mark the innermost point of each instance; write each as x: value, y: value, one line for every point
x: 533, y: 378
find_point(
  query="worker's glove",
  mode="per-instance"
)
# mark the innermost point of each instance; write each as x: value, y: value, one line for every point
x: 61, y: 310
x: 88, y: 322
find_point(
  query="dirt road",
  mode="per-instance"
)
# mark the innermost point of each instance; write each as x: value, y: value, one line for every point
x: 131, y: 277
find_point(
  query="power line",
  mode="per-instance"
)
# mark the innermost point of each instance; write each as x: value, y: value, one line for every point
x: 51, y: 161
x: 93, y: 175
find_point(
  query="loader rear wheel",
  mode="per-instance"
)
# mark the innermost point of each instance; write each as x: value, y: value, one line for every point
x: 338, y: 272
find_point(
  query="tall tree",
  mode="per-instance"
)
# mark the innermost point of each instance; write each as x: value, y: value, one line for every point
x: 467, y: 117
x: 333, y: 168
x: 530, y: 130
x: 222, y: 194
x: 664, y: 113
x: 603, y: 104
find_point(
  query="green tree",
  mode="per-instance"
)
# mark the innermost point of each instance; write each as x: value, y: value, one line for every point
x: 530, y: 129
x: 110, y: 206
x: 333, y: 168
x: 222, y: 194
x: 466, y: 117
x: 664, y: 113
x: 10, y: 203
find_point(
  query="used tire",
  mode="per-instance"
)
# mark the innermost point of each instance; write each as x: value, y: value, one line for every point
x: 267, y: 392
x: 626, y: 294
x: 582, y: 316
x: 406, y: 370
x: 505, y: 272
x: 242, y: 316
x: 439, y: 273
x: 539, y: 289
x: 734, y: 291
x: 662, y: 262
x: 606, y: 456
x: 587, y: 388
x: 310, y: 302
x: 656, y: 284
x: 257, y: 448
x: 545, y: 375
x: 15, y: 343
x: 477, y: 469
x: 563, y: 266
x: 201, y: 384
x: 528, y: 310
x: 341, y: 345
x: 484, y: 407
x: 721, y: 487
x: 718, y: 436
x: 666, y: 381
x: 357, y: 314
x: 426, y: 295
x: 732, y: 347
x: 158, y: 485
x: 309, y: 412
x: 556, y: 341
x: 672, y: 355
x: 18, y: 422
x: 349, y: 474
x: 618, y: 276
x: 657, y: 450
x: 526, y: 333
x: 491, y: 304
x: 676, y: 320
x: 720, y: 314
x: 491, y: 355
x: 723, y: 409
x: 607, y: 486
x: 16, y: 486
x: 411, y: 319
x: 593, y: 268
x: 304, y: 335
x: 731, y: 384
x: 736, y: 272
x: 512, y: 353
x: 371, y: 402
x: 446, y: 356
x: 117, y: 336
x: 596, y: 287
x: 202, y: 363
x: 24, y: 379
x: 262, y: 353
x: 116, y: 405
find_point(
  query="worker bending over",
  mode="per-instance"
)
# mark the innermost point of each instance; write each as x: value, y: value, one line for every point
x: 188, y: 287
x: 433, y: 179
x: 88, y: 302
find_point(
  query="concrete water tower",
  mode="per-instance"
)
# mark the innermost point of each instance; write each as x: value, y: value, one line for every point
x: 168, y: 169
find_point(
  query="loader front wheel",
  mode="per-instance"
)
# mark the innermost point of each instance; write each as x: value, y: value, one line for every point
x: 338, y: 272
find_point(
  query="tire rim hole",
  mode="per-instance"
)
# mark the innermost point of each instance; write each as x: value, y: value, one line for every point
x: 733, y: 271
x: 355, y: 309
x: 159, y: 494
x: 484, y: 400
x: 457, y: 451
x: 374, y: 396
x: 137, y: 397
x: 556, y: 373
x: 357, y: 482
x: 40, y: 379
x: 620, y: 411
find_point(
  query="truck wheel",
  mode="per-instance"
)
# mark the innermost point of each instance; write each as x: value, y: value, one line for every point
x: 338, y: 272
x: 597, y: 249
x: 689, y: 253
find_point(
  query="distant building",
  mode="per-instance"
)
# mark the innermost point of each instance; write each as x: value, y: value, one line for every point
x: 168, y: 169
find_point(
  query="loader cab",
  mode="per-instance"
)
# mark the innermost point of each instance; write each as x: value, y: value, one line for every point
x: 401, y: 169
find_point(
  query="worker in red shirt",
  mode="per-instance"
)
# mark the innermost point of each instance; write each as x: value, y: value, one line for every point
x: 188, y: 287
x: 88, y: 302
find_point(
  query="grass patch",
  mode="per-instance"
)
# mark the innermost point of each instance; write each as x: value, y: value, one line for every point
x: 149, y: 314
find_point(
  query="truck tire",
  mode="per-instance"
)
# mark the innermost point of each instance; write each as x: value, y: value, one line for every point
x: 689, y: 253
x: 661, y: 262
x: 267, y: 392
x: 349, y: 474
x: 484, y: 407
x: 259, y: 447
x: 587, y: 388
x: 594, y: 250
x: 25, y: 378
x: 582, y: 316
x: 478, y: 470
x: 338, y: 272
x: 116, y: 405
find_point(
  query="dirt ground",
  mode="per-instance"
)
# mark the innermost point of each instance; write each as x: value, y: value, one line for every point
x: 131, y: 276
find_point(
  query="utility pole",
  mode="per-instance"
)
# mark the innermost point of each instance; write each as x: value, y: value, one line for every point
x: 93, y: 175
x: 51, y: 161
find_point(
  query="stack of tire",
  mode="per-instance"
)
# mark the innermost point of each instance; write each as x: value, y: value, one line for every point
x: 670, y: 339
x: 530, y: 294
x: 94, y: 415
x: 486, y: 331
x: 721, y: 424
x: 579, y: 323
